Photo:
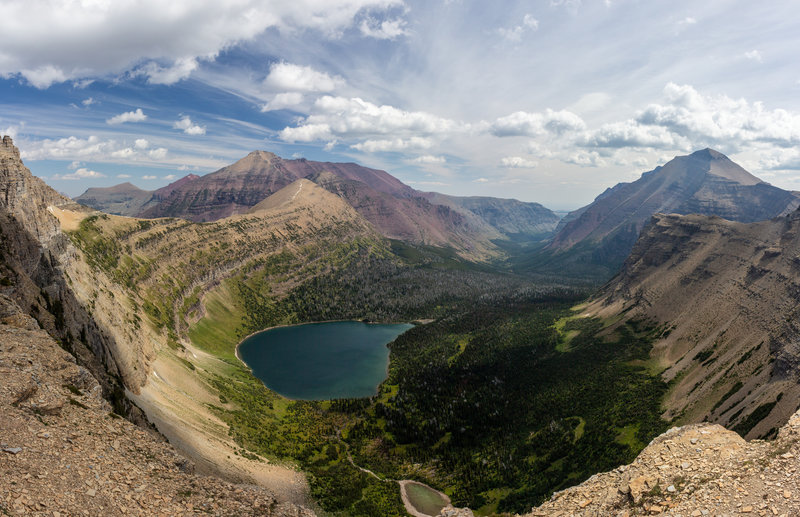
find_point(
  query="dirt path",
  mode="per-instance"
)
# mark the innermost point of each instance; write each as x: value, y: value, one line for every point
x: 402, y: 482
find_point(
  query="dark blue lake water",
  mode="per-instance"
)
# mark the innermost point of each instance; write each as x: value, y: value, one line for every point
x: 320, y: 361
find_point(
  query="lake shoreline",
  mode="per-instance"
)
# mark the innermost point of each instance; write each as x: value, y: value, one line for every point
x: 409, y: 504
x: 236, y: 350
x: 274, y: 384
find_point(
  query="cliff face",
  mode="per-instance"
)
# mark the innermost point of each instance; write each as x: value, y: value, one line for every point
x: 63, y: 453
x: 25, y: 196
x: 37, y: 260
x: 726, y: 294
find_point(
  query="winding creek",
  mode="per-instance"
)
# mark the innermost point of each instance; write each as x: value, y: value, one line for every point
x: 321, y: 361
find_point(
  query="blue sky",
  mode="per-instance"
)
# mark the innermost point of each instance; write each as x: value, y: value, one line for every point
x: 549, y: 101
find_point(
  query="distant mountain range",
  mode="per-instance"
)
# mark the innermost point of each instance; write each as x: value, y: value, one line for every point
x: 469, y: 225
x: 600, y: 235
x: 590, y: 242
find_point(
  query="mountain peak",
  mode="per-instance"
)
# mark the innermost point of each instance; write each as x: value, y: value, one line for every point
x: 8, y: 149
x: 263, y: 155
x: 704, y: 182
x: 709, y: 154
x: 721, y: 166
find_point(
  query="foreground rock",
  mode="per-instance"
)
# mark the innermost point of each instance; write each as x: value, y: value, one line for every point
x: 62, y: 451
x: 695, y: 470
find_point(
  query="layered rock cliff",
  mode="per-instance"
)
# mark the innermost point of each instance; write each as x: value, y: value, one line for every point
x: 726, y: 295
x: 37, y: 261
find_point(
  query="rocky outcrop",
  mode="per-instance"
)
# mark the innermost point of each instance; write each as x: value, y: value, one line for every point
x: 705, y: 182
x: 26, y: 197
x: 63, y: 451
x: 696, y: 470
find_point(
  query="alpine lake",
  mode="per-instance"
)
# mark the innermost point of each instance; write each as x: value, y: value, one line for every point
x: 321, y: 361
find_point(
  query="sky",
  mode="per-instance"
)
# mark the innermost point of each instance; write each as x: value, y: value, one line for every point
x: 551, y: 101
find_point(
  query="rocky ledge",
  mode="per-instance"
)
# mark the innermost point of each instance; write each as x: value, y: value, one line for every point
x: 63, y: 452
x: 696, y: 470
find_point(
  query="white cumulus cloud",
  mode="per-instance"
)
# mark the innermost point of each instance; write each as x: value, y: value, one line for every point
x: 283, y: 100
x: 157, y: 154
x: 522, y: 123
x: 128, y: 116
x: 93, y: 148
x: 394, y: 144
x: 180, y: 69
x: 124, y: 154
x: 355, y: 118
x: 517, y: 162
x: 43, y: 76
x: 383, y: 29
x: 80, y: 174
x: 429, y: 159
x: 720, y: 121
x: 50, y: 41
x: 187, y: 126
x: 290, y: 77
x: 629, y: 133
x: 585, y: 159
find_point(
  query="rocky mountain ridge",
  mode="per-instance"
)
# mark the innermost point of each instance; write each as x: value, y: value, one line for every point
x: 398, y: 211
x: 706, y: 182
x: 726, y: 295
